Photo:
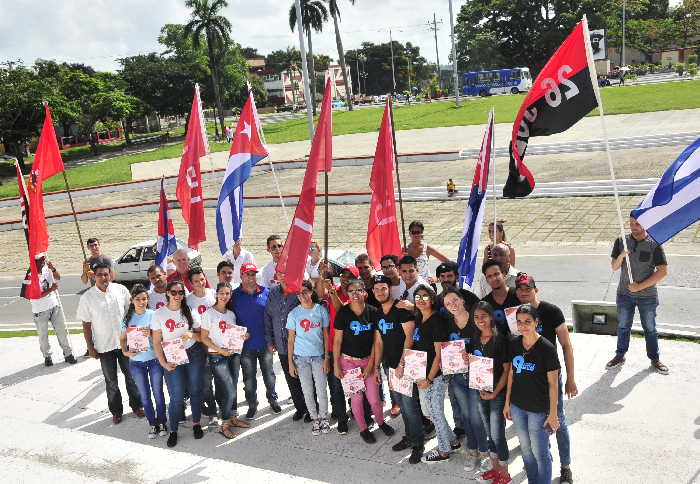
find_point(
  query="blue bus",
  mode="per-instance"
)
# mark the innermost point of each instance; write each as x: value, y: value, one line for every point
x: 499, y: 81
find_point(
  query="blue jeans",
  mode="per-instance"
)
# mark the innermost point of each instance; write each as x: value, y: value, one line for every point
x: 434, y: 398
x: 534, y: 444
x: 495, y: 424
x: 338, y: 405
x: 411, y: 415
x: 456, y: 411
x: 563, y: 440
x: 225, y: 370
x: 186, y: 377
x: 468, y: 402
x: 311, y: 376
x: 647, y: 313
x: 249, y: 364
x: 208, y: 396
x: 142, y: 372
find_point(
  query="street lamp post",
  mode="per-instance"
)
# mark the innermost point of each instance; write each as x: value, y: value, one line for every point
x: 622, y: 59
x: 454, y: 57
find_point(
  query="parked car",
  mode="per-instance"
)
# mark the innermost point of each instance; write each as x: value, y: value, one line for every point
x: 134, y: 263
x: 338, y: 103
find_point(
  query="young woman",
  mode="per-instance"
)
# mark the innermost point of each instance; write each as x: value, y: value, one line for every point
x: 225, y: 364
x: 176, y: 321
x: 307, y: 326
x: 353, y: 347
x: 531, y: 399
x: 420, y: 250
x: 459, y: 327
x: 489, y: 343
x: 431, y: 330
x: 144, y: 366
x: 500, y: 239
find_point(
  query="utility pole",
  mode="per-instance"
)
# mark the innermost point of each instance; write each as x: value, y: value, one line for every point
x: 454, y: 57
x: 622, y: 60
x: 393, y: 74
x: 434, y: 27
x: 357, y: 67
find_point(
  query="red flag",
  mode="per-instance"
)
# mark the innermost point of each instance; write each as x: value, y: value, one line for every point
x: 292, y: 261
x: 189, y: 181
x: 31, y: 289
x: 382, y: 229
x: 47, y: 159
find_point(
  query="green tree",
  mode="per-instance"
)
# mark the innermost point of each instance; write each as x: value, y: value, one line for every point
x: 205, y: 19
x: 335, y: 13
x: 313, y: 15
x: 479, y: 52
x: 687, y: 19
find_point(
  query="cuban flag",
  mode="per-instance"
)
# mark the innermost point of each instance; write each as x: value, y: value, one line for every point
x: 166, y: 244
x: 674, y: 203
x: 471, y: 234
x: 246, y: 151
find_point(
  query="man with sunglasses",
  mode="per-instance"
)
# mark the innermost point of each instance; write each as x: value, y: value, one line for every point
x: 268, y: 274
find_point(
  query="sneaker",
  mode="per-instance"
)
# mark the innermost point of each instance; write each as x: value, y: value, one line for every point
x: 275, y: 406
x: 316, y: 427
x: 402, y: 444
x: 472, y: 463
x: 434, y: 456
x: 659, y: 367
x: 370, y: 422
x: 342, y: 427
x: 163, y: 430
x: 251, y: 411
x: 307, y: 418
x: 153, y: 432
x: 197, y: 431
x: 617, y: 361
x: 429, y: 431
x: 172, y: 439
x: 325, y: 426
x: 48, y: 361
x: 367, y: 436
x: 488, y: 476
x: 71, y: 359
x: 387, y: 429
x: 565, y: 476
x: 298, y: 416
x: 416, y: 455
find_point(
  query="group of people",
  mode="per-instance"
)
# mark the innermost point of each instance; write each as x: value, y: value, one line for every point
x: 362, y: 325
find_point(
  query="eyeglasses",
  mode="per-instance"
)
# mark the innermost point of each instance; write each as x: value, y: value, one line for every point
x: 356, y: 291
x: 275, y: 247
x: 388, y: 267
x: 177, y: 293
x: 425, y: 298
x: 414, y: 232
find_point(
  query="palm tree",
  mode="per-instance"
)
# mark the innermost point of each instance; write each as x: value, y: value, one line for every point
x: 205, y: 19
x: 335, y: 13
x: 313, y: 16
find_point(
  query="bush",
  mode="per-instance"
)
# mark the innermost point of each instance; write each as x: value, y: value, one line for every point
x: 679, y: 68
x: 693, y: 59
x: 693, y: 71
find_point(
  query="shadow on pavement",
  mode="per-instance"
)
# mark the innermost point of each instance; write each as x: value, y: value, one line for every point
x: 30, y: 373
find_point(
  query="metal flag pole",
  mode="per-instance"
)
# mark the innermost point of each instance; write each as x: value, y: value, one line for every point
x: 493, y: 168
x: 398, y: 178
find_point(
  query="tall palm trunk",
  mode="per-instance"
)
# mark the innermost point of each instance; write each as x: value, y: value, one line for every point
x: 294, y: 91
x: 341, y: 58
x: 312, y: 72
x: 215, y: 80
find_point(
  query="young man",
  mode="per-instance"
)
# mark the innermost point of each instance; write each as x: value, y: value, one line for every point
x: 501, y: 296
x: 408, y: 268
x: 96, y: 256
x: 390, y: 268
x: 447, y: 274
x: 501, y: 254
x: 238, y: 256
x: 268, y: 273
x: 102, y: 309
x: 156, y: 295
x: 649, y: 266
x: 553, y: 327
x: 202, y: 296
x: 48, y: 308
x: 225, y: 270
x: 249, y: 301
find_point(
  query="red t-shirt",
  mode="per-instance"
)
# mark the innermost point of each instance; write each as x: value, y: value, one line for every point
x: 344, y: 298
x: 176, y: 276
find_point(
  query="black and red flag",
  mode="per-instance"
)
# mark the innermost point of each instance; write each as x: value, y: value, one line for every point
x: 563, y: 92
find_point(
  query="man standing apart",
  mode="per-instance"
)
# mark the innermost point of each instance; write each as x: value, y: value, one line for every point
x: 649, y: 266
x: 249, y: 301
x: 96, y: 255
x: 48, y: 308
x: 101, y: 309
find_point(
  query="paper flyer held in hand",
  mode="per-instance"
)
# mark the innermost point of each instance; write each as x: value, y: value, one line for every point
x: 415, y: 364
x: 234, y: 337
x: 481, y: 373
x: 402, y: 385
x: 453, y: 357
x: 175, y: 352
x: 352, y: 382
x: 512, y: 322
x: 137, y: 340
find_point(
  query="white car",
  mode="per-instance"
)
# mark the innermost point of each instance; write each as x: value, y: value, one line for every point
x: 134, y: 263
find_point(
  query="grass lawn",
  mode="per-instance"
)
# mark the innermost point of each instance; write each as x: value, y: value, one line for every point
x: 624, y: 100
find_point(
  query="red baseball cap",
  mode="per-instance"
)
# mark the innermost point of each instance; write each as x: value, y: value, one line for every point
x: 246, y: 268
x: 353, y: 270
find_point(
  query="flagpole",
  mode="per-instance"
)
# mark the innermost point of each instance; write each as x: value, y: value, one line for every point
x: 305, y: 72
x: 596, y: 90
x: 398, y: 178
x: 325, y: 229
x: 75, y: 217
x: 493, y: 167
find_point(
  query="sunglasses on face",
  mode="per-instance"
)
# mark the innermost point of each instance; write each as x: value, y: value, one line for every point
x: 413, y: 232
x: 425, y: 298
x: 276, y: 246
x: 177, y: 293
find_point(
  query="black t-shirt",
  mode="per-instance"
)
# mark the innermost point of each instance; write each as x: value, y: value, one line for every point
x: 433, y: 330
x: 551, y: 318
x: 454, y: 332
x: 499, y: 316
x: 390, y: 329
x: 530, y: 385
x: 497, y: 348
x: 358, y: 331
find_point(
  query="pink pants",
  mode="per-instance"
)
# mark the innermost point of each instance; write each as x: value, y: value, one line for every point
x: 371, y: 391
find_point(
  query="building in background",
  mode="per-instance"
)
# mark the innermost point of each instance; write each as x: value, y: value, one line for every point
x: 286, y: 87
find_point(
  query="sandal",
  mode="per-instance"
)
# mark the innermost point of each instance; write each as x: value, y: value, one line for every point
x: 225, y: 430
x: 659, y: 367
x: 236, y: 422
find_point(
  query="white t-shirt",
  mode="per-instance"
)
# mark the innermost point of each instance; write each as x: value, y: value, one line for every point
x: 210, y: 322
x: 156, y: 300
x: 173, y: 324
x: 245, y: 257
x: 397, y: 291
x: 105, y: 310
x: 411, y: 290
x: 200, y: 305
x: 266, y: 277
x: 483, y: 289
x: 45, y: 303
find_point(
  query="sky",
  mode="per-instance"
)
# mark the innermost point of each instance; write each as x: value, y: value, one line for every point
x: 96, y: 32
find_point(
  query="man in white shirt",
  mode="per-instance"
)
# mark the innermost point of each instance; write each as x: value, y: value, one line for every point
x: 390, y: 267
x: 408, y: 268
x: 156, y: 295
x: 238, y: 256
x: 102, y: 309
x: 501, y: 254
x: 267, y: 274
x: 48, y: 308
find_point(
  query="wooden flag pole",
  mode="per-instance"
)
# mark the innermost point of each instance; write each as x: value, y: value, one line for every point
x: 75, y: 217
x: 398, y: 178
